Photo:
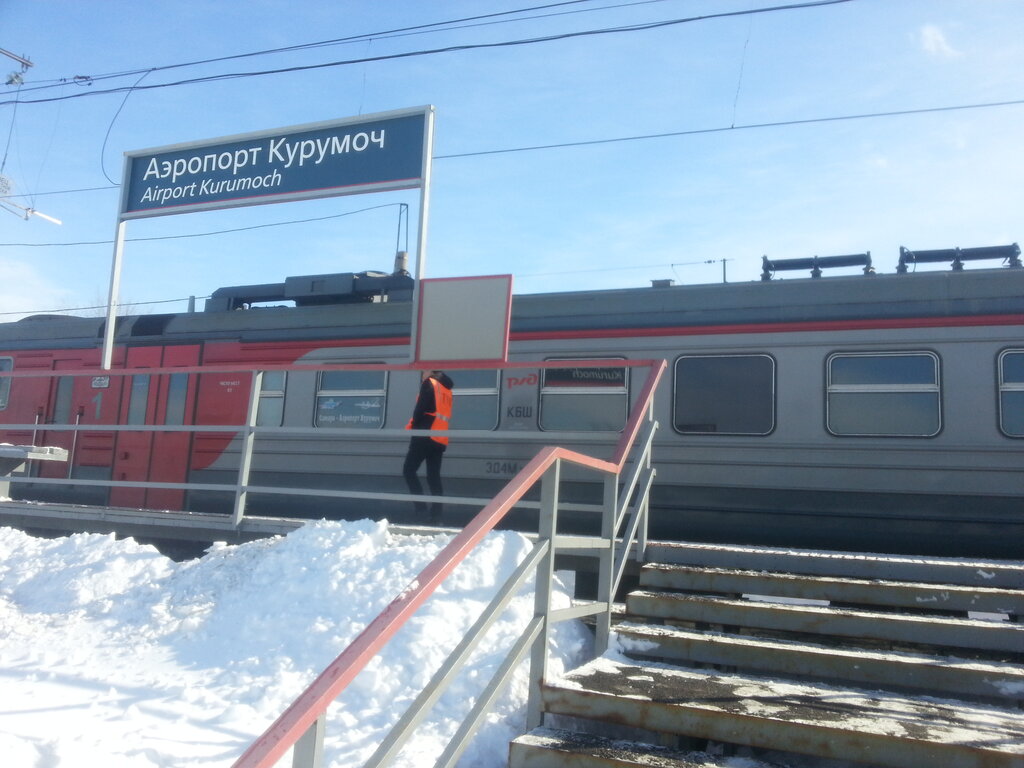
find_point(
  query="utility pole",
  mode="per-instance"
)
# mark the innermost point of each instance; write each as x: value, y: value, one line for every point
x: 20, y: 59
x: 6, y: 187
x: 15, y: 77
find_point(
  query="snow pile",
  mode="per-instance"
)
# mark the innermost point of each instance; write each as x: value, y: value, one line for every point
x: 113, y: 655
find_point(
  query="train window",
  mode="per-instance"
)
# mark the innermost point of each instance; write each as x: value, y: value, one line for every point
x: 1011, y: 393
x: 6, y: 364
x: 585, y: 398
x: 177, y: 386
x: 270, y: 409
x: 475, y: 399
x: 351, y: 399
x: 138, y: 399
x: 62, y: 400
x: 895, y: 394
x: 724, y: 395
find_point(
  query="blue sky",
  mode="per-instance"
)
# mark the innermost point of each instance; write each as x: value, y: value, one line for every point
x: 748, y: 160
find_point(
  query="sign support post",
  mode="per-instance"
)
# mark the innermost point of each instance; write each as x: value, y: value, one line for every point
x: 113, y: 298
x: 421, y: 238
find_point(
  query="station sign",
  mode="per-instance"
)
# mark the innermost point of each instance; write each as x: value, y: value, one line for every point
x: 374, y: 153
x: 585, y: 377
x: 370, y: 153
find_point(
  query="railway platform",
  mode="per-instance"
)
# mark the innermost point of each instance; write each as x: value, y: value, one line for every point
x: 13, y: 458
x: 172, y: 531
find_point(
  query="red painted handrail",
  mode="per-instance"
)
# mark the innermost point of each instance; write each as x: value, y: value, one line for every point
x: 312, y: 702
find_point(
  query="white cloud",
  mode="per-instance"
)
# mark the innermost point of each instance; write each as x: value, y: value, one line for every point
x: 933, y: 41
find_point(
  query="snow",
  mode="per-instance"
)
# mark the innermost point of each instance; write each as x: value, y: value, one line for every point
x: 846, y: 712
x: 112, y: 654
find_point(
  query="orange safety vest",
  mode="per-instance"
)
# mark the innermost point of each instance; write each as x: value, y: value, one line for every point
x: 443, y: 414
x: 443, y: 410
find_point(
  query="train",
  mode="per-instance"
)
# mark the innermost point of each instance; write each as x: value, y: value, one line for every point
x: 859, y: 412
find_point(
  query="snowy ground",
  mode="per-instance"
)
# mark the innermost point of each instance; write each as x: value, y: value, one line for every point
x: 113, y: 655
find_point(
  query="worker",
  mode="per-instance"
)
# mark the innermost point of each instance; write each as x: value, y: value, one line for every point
x: 433, y: 411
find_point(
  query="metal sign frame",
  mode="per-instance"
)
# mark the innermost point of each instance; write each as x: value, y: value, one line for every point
x: 372, y: 153
x: 463, y: 319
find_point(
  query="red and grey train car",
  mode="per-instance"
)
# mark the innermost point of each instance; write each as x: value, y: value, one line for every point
x: 868, y: 411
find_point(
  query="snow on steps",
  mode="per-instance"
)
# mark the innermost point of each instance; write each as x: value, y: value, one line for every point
x: 877, y: 727
x: 902, y: 670
x: 877, y: 662
x: 554, y: 748
x: 941, y: 570
x: 837, y: 589
x: 855, y: 624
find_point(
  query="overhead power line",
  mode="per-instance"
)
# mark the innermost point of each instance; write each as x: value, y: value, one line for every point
x: 436, y: 26
x: 745, y: 127
x: 99, y: 306
x: 435, y: 51
x: 203, y: 234
x: 72, y: 191
x: 646, y: 137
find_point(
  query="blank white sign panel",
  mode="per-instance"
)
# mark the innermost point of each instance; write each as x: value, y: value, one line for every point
x: 464, y: 319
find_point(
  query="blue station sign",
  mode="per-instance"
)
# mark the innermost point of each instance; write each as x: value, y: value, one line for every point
x: 373, y: 153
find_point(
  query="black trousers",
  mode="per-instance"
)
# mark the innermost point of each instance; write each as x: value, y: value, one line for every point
x: 423, y: 449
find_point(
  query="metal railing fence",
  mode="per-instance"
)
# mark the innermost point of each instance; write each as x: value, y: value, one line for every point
x: 627, y: 481
x: 247, y: 432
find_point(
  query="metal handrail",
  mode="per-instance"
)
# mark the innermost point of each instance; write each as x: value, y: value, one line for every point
x: 248, y: 430
x: 241, y: 489
x: 303, y: 723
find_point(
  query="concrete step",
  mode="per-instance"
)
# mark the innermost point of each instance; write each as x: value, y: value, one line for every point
x: 846, y: 590
x: 992, y: 574
x: 553, y: 748
x: 934, y: 675
x: 874, y: 727
x: 980, y: 635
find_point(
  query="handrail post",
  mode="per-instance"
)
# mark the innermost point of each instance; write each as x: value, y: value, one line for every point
x: 645, y: 512
x: 308, y: 751
x: 74, y: 442
x: 32, y: 467
x: 606, y: 563
x: 547, y: 525
x: 248, y: 439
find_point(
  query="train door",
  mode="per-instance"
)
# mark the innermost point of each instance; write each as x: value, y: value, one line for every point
x: 154, y: 399
x: 138, y: 407
x: 80, y: 400
x: 65, y: 405
x: 175, y: 405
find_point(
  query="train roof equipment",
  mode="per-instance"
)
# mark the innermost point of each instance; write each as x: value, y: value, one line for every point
x: 312, y: 290
x: 957, y: 256
x: 815, y: 263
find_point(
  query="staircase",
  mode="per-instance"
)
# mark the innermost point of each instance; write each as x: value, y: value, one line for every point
x: 867, y: 659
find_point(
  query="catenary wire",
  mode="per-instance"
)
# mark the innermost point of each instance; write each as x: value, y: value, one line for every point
x: 447, y: 49
x: 101, y: 306
x: 206, y: 234
x: 744, y: 127
x: 110, y: 127
x: 663, y: 135
x: 437, y: 26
